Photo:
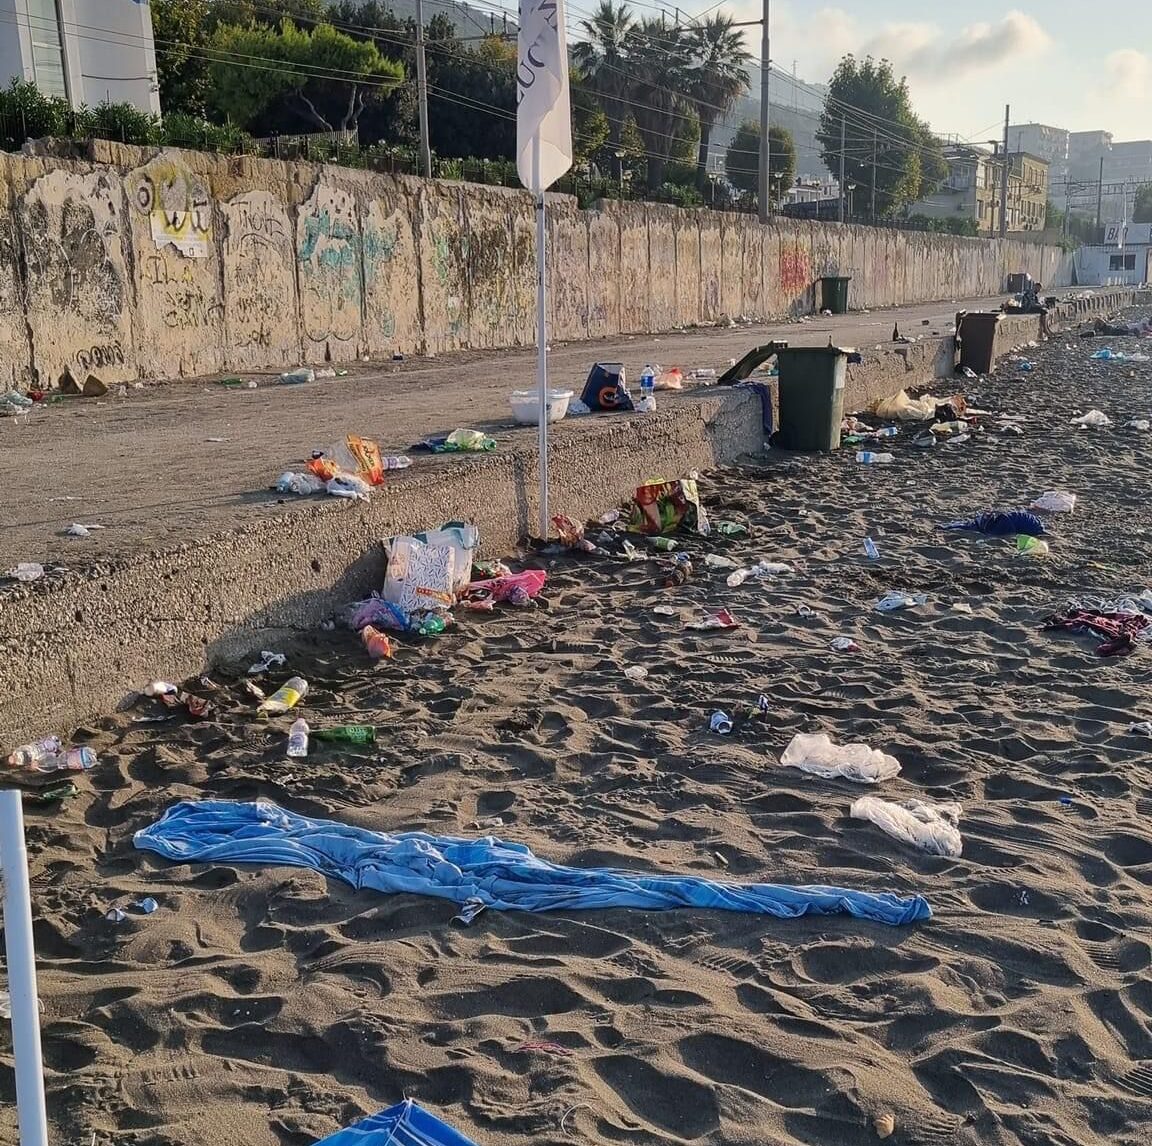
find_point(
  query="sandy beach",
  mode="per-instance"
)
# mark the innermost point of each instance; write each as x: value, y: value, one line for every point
x: 269, y: 1007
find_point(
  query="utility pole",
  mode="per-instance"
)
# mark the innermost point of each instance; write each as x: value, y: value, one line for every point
x: 422, y: 93
x: 874, y: 177
x: 1100, y: 196
x: 765, y: 112
x: 1004, y: 185
x: 843, y: 192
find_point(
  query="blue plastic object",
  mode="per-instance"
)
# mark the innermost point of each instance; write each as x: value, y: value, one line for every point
x: 404, y: 1124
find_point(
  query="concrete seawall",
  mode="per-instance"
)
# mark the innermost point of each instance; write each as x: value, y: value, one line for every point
x: 75, y: 643
x: 144, y: 263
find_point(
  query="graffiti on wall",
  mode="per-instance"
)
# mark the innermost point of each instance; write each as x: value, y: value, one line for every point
x: 381, y: 247
x: 328, y: 263
x: 178, y: 207
x: 794, y: 269
x: 258, y: 272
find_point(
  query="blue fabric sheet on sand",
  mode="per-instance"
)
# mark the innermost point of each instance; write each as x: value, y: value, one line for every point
x: 404, y: 1124
x: 479, y: 873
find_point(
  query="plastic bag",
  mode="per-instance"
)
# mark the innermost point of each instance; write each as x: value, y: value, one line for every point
x: 929, y: 827
x: 816, y: 754
x: 670, y: 379
x: 901, y: 407
x: 300, y: 484
x: 515, y: 589
x: 355, y: 455
x: 892, y: 601
x: 348, y: 486
x: 662, y: 507
x: 419, y: 575
x: 463, y: 540
x: 1055, y: 502
x: 1094, y: 419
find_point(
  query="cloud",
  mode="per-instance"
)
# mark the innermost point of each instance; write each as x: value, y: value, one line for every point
x: 1128, y: 75
x: 922, y: 50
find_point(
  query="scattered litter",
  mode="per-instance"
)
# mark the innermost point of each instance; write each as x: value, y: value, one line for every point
x: 116, y: 915
x: 267, y: 660
x: 526, y: 405
x: 719, y: 561
x: 1094, y: 419
x: 665, y: 611
x: 377, y: 644
x: 868, y: 458
x: 714, y: 619
x: 146, y: 906
x: 78, y: 530
x: 1144, y: 728
x: 546, y: 1047
x: 12, y: 403
x: 1000, y: 523
x: 884, y: 1125
x: 217, y: 440
x: 930, y: 827
x: 814, y: 752
x: 1031, y: 546
x: 844, y: 645
x: 1141, y: 424
x: 460, y: 441
x: 287, y: 696
x: 665, y: 507
x: 961, y: 607
x: 892, y: 601
x: 731, y: 529
x: 27, y: 571
x: 1055, y: 502
x: 870, y: 550
x: 303, y: 485
x: 298, y: 376
x: 1122, y: 630
x: 636, y: 672
x: 721, y: 723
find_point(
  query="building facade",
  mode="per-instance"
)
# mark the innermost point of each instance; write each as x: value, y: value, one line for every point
x: 972, y: 190
x: 86, y: 51
x: 1123, y: 259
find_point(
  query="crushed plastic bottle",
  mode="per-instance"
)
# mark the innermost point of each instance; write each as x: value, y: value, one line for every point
x: 71, y: 760
x: 298, y: 376
x: 287, y: 696
x: 868, y: 458
x: 870, y: 550
x: 30, y: 756
x: 298, y: 738
x: 738, y: 577
x: 348, y: 734
x: 395, y: 462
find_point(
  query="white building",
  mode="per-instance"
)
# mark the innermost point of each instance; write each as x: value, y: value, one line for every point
x: 88, y: 51
x: 1123, y: 259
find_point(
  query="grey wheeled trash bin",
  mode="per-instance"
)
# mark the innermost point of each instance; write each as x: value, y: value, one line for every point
x: 811, y: 396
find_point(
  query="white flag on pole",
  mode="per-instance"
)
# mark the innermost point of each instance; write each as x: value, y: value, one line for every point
x: 543, y: 106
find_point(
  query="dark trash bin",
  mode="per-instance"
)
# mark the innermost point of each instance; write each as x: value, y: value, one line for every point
x: 811, y: 396
x: 834, y: 293
x: 1018, y: 282
x: 976, y: 332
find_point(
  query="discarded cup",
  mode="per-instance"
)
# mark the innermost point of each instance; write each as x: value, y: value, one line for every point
x: 720, y: 723
x: 870, y: 550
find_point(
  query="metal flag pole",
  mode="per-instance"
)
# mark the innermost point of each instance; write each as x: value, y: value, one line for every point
x: 542, y: 351
x: 21, y: 954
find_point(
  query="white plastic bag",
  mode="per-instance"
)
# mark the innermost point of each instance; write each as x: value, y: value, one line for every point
x: 1094, y: 418
x: 419, y: 576
x: 929, y: 827
x: 900, y: 407
x: 815, y: 753
x: 1055, y: 502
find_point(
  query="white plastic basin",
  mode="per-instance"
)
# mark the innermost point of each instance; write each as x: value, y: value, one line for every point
x: 526, y: 405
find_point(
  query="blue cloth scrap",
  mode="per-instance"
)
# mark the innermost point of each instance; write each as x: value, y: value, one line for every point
x: 404, y: 1124
x: 764, y: 392
x: 495, y: 873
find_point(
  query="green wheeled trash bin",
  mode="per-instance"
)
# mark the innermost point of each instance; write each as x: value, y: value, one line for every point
x: 834, y: 293
x: 811, y: 396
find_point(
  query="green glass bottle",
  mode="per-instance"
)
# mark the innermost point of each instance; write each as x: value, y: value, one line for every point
x: 347, y: 734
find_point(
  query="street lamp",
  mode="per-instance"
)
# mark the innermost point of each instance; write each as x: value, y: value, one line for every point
x: 620, y: 173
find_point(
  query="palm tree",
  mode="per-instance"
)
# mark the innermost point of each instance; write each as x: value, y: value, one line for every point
x: 718, y: 77
x: 602, y: 60
x: 657, y: 56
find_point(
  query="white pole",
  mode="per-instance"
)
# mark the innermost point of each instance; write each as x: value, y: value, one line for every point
x: 542, y: 347
x: 21, y: 952
x: 422, y: 93
x: 765, y: 112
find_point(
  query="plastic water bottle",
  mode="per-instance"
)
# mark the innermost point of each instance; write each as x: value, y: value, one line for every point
x: 74, y: 760
x: 395, y: 462
x: 738, y: 578
x: 647, y: 401
x: 888, y: 432
x: 287, y: 696
x: 868, y: 458
x: 32, y: 755
x: 298, y: 738
x: 870, y: 550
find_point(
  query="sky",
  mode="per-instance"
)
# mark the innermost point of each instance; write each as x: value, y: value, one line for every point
x: 1058, y: 62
